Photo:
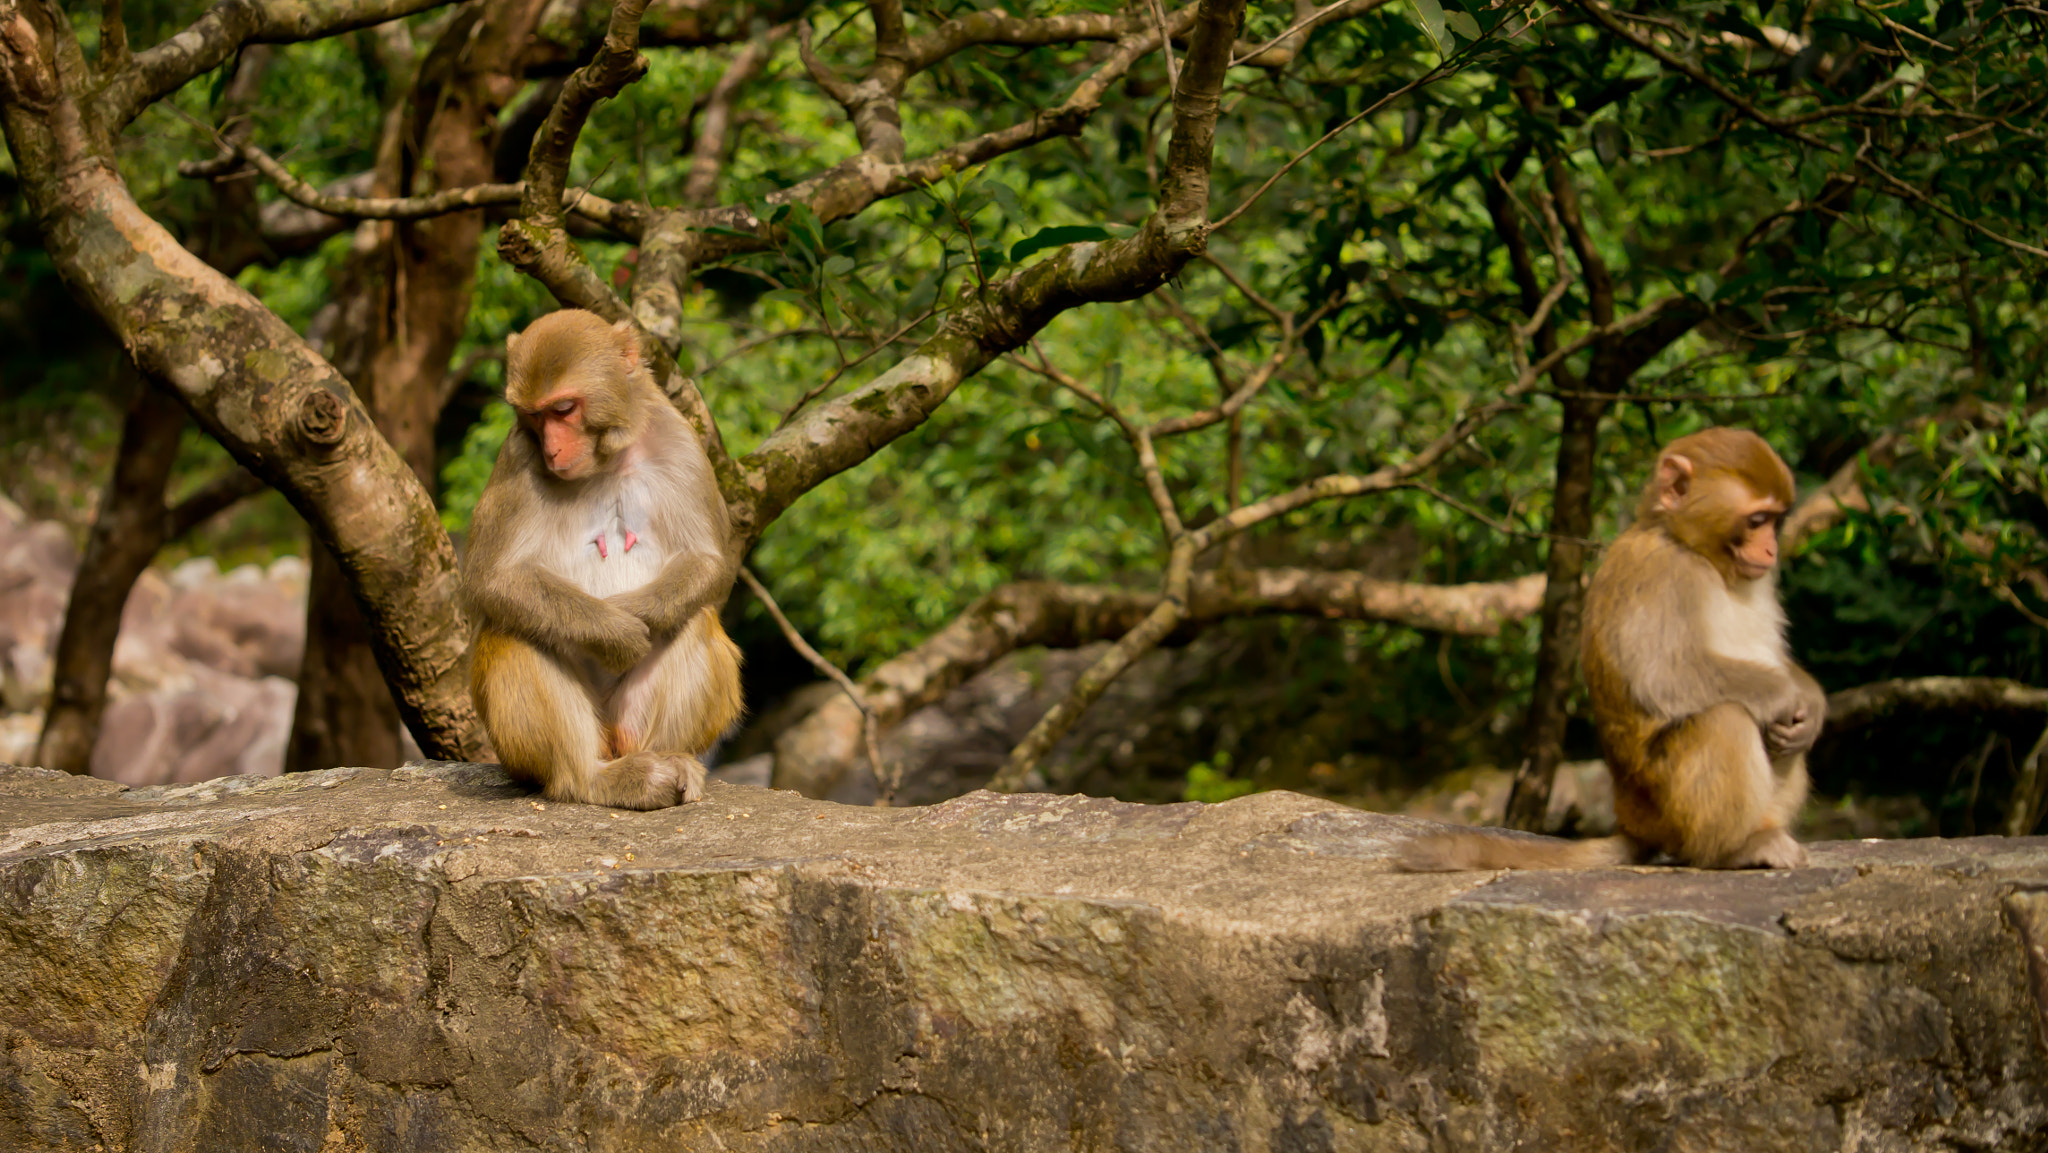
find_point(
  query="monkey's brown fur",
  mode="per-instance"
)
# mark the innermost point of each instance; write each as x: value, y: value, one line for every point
x: 1703, y: 717
x: 600, y: 668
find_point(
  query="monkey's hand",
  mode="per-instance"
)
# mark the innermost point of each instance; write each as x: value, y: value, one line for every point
x: 619, y: 641
x: 645, y: 605
x: 1793, y: 731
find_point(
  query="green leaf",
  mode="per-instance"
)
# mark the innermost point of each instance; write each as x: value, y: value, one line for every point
x: 1462, y: 23
x: 1055, y: 236
x: 982, y: 71
x: 805, y: 229
x: 1431, y: 14
x: 1006, y: 198
x: 839, y: 266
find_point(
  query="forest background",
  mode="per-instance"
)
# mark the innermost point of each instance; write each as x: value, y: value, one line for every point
x: 1286, y: 362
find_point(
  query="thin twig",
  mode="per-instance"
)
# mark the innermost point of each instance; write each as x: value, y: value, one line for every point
x: 843, y: 369
x: 885, y: 782
x: 1442, y: 69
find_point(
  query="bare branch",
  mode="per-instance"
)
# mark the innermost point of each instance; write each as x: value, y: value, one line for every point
x: 714, y: 132
x: 624, y: 219
x: 996, y: 26
x: 538, y: 243
x: 1854, y: 708
x: 1001, y: 316
x: 1281, y: 50
x: 213, y: 39
x: 817, y: 752
x: 210, y: 500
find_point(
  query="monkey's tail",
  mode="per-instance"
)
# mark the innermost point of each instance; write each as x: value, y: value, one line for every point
x: 1463, y: 849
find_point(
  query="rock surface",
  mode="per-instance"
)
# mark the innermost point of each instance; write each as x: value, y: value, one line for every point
x: 200, y: 684
x: 433, y: 959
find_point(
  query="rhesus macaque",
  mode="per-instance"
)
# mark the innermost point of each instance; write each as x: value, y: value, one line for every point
x: 1703, y: 717
x: 595, y: 570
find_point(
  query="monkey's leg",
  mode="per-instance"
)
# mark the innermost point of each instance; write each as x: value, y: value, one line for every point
x: 684, y: 695
x: 645, y: 780
x: 1715, y: 786
x: 541, y: 719
x: 1788, y: 793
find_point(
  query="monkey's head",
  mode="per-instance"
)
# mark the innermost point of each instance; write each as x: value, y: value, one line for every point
x: 1722, y: 493
x: 571, y: 378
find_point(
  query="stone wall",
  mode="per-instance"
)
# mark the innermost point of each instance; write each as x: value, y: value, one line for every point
x: 430, y: 959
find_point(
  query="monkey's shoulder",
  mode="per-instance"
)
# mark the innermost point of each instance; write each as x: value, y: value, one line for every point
x: 1645, y: 566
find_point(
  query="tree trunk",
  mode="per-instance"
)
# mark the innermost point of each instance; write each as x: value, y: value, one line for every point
x: 344, y: 715
x: 1564, y: 599
x: 407, y: 292
x: 131, y: 525
x: 126, y: 534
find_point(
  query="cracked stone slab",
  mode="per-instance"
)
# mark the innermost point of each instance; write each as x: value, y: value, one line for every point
x: 434, y: 958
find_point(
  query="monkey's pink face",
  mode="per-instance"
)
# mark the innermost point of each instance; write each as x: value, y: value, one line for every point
x: 565, y: 446
x: 1755, y: 545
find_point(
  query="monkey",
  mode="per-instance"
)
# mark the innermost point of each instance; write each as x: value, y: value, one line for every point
x: 594, y: 571
x: 1702, y: 716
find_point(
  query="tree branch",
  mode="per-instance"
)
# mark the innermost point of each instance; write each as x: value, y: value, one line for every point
x: 213, y: 39
x: 538, y: 242
x: 885, y: 782
x: 1865, y: 704
x: 336, y: 201
x: 815, y: 754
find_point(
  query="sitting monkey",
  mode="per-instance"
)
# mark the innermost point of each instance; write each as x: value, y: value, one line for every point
x: 595, y: 571
x: 1702, y: 716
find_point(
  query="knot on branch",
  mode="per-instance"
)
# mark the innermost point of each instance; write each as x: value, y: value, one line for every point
x: 1187, y: 239
x: 518, y: 245
x: 323, y: 419
x: 25, y: 76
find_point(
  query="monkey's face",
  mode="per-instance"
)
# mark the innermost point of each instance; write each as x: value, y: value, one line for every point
x: 559, y: 428
x: 1727, y: 521
x: 1754, y: 544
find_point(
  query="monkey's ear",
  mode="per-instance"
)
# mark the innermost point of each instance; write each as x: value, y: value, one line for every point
x: 629, y: 343
x: 1674, y: 479
x: 511, y: 343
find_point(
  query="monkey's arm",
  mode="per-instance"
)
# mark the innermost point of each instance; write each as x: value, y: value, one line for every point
x: 1797, y: 727
x: 685, y: 586
x: 1665, y: 653
x: 543, y: 609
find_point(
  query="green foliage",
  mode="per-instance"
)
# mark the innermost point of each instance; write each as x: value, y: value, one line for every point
x: 1212, y: 785
x: 1879, y: 314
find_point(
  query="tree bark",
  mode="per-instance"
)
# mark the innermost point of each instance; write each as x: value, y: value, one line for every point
x: 407, y: 292
x: 132, y: 523
x: 125, y: 537
x: 244, y: 374
x: 1564, y: 600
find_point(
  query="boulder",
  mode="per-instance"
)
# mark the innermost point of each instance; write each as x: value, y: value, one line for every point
x: 433, y: 958
x: 199, y: 684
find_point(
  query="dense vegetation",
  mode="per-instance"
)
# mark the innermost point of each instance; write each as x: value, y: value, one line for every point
x: 1581, y: 230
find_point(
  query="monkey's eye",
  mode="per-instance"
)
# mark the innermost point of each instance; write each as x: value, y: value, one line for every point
x: 564, y: 408
x: 1759, y: 519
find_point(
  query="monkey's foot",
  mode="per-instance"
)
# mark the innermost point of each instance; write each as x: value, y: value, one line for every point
x: 1769, y: 849
x: 649, y: 781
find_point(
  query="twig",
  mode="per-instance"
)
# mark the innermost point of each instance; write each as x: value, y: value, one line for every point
x: 1442, y: 69
x: 885, y: 782
x: 843, y: 369
x: 1166, y: 46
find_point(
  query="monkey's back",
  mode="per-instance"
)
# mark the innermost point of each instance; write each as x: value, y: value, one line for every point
x: 1644, y: 583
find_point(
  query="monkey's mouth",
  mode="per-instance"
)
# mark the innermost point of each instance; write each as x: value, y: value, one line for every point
x: 1750, y: 570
